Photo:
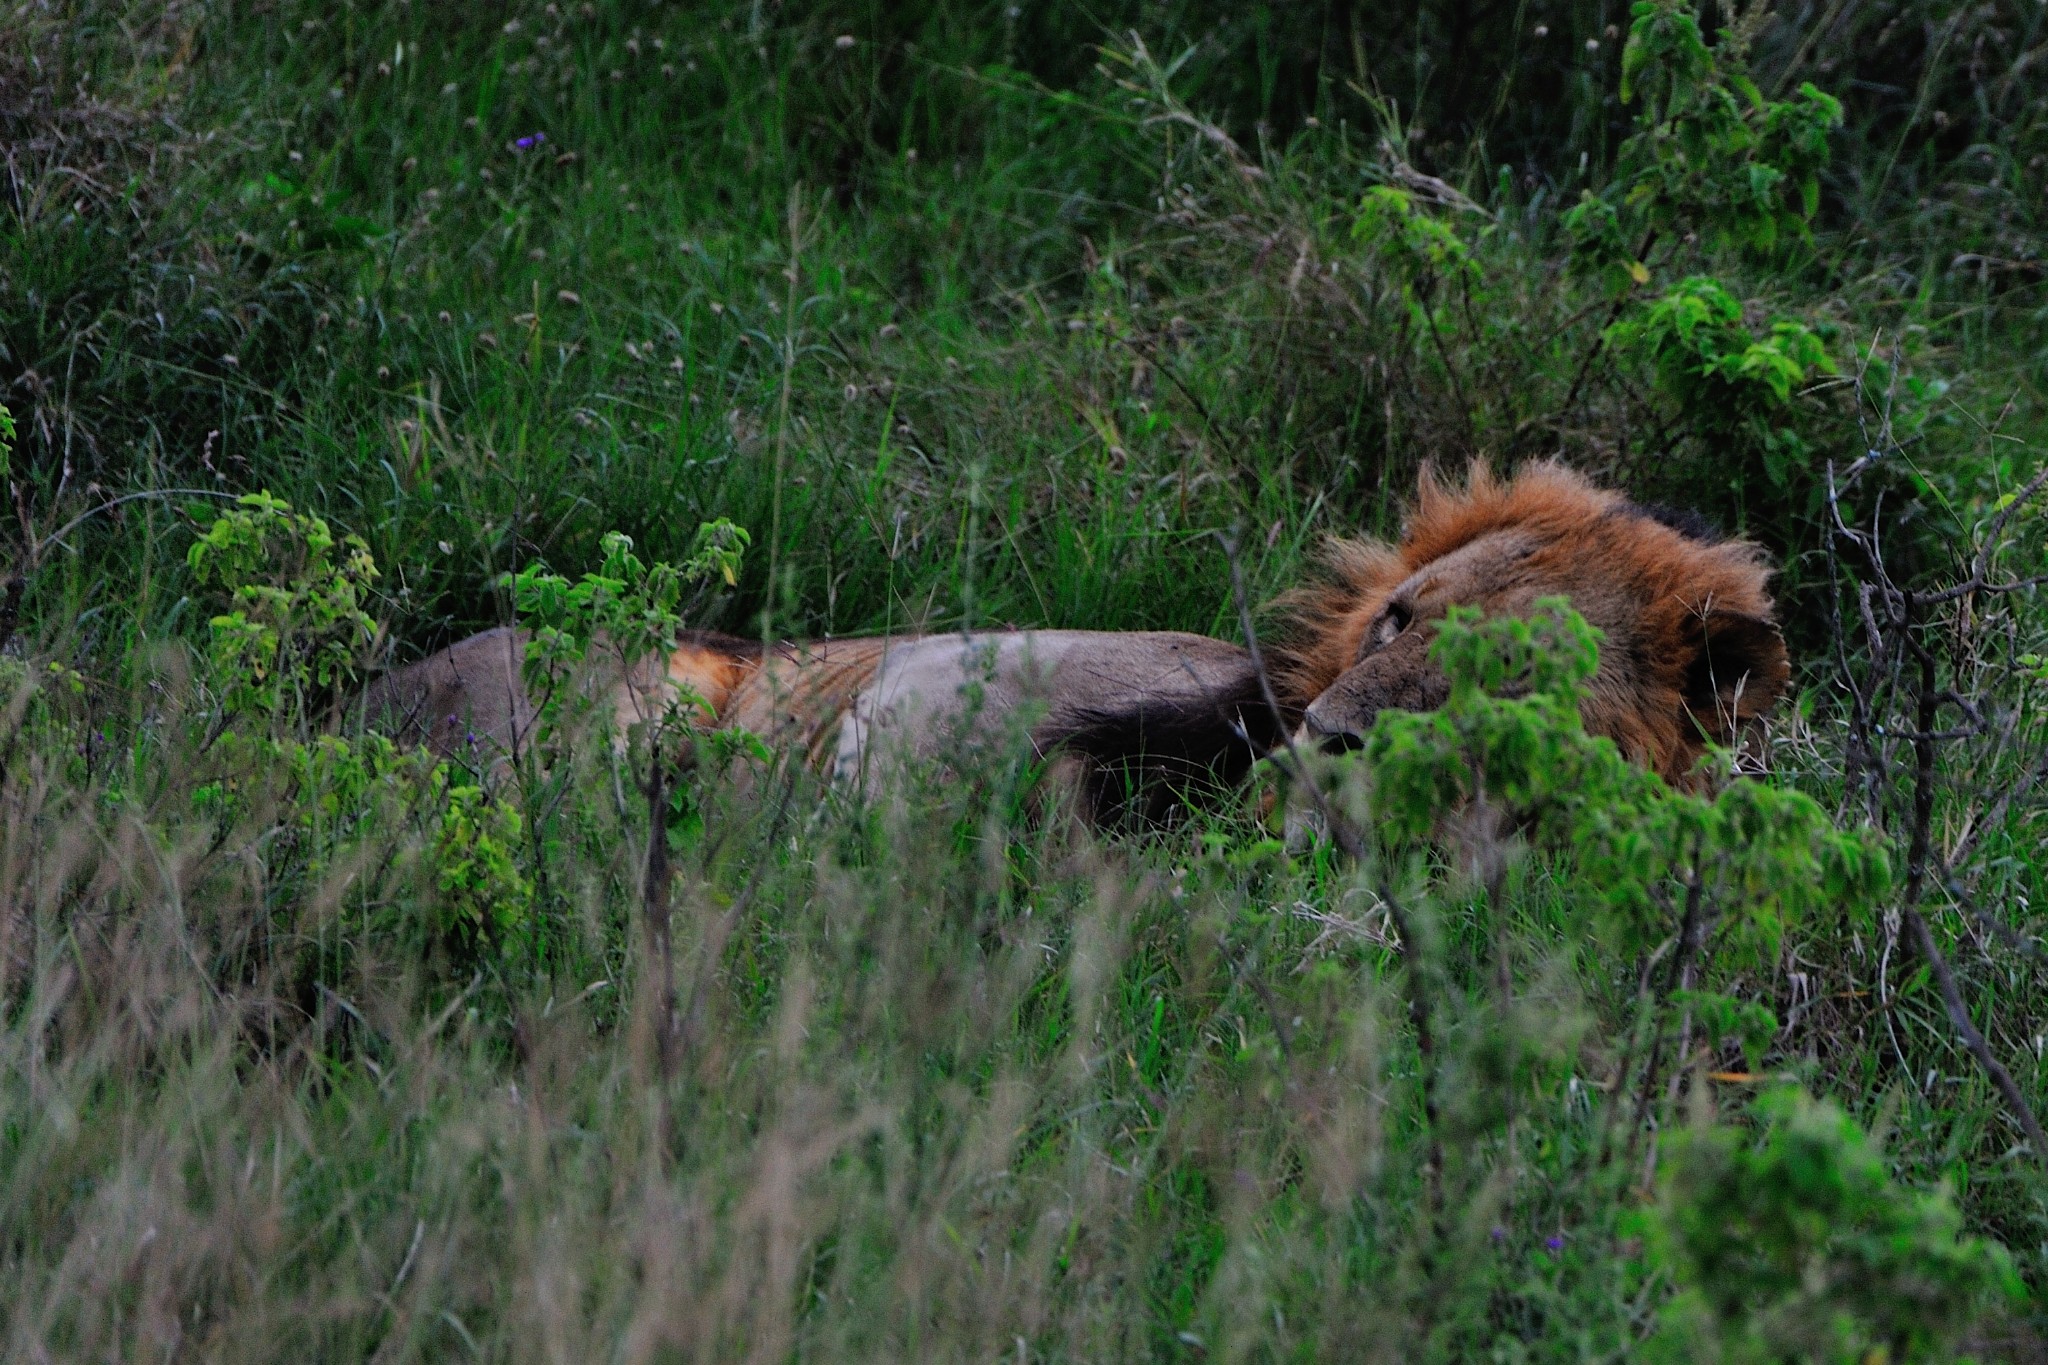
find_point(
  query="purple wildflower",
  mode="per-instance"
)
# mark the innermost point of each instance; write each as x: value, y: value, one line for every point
x: 1555, y: 1242
x: 1500, y: 1234
x: 530, y: 141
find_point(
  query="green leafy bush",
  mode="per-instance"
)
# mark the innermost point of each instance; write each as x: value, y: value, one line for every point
x: 449, y: 842
x: 1721, y: 372
x: 1714, y: 164
x: 1710, y: 153
x: 1710, y: 157
x: 475, y: 850
x: 1788, y: 1239
x: 1729, y: 381
x: 1737, y: 867
x: 1417, y: 248
x: 299, y: 630
x: 1707, y: 884
x: 299, y: 626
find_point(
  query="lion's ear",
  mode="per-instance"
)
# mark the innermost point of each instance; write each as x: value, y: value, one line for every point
x: 1738, y: 671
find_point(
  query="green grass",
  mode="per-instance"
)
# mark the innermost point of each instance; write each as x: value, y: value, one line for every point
x: 971, y: 321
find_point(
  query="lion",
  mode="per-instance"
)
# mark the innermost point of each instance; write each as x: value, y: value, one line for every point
x: 1692, y: 658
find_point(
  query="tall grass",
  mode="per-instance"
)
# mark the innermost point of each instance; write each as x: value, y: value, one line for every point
x: 942, y: 1089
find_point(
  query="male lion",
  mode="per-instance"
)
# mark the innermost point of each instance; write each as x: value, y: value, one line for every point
x: 1691, y: 657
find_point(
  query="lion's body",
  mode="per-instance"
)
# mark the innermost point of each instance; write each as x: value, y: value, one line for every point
x: 1691, y: 657
x: 1157, y: 705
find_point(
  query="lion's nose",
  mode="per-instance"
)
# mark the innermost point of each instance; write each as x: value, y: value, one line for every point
x: 1332, y: 738
x: 1343, y: 742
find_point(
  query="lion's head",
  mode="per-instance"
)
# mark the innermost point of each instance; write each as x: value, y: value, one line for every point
x: 1692, y: 654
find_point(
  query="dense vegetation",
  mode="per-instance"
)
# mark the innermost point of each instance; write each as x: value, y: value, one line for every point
x: 329, y: 333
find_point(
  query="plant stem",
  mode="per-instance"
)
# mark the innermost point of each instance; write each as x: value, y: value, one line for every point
x: 657, y: 937
x: 790, y: 274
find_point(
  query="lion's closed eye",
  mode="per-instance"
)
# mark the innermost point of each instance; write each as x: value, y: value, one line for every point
x: 1387, y: 628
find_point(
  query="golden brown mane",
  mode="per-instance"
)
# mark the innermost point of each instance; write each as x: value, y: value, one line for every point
x: 1662, y: 595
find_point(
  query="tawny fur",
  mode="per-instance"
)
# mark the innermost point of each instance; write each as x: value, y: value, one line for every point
x: 1665, y: 600
x: 1144, y: 714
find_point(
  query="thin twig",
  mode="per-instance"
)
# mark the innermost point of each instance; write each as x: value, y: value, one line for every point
x: 1678, y: 978
x: 1918, y: 854
x: 1903, y: 670
x: 1571, y: 396
x: 1999, y: 929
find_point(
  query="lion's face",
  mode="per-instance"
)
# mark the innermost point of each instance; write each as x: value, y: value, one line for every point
x: 1392, y: 668
x: 1691, y: 654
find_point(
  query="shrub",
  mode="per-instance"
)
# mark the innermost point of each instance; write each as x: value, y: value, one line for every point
x: 635, y: 610
x: 1736, y: 868
x: 299, y: 631
x: 1788, y: 1239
